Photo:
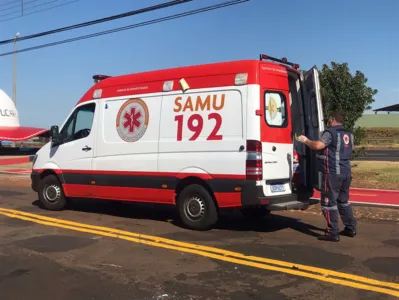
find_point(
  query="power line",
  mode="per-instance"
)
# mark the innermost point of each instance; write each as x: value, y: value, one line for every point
x: 154, y: 21
x: 9, y: 13
x: 23, y: 14
x: 8, y: 3
x: 22, y: 4
x: 8, y: 8
x: 102, y: 20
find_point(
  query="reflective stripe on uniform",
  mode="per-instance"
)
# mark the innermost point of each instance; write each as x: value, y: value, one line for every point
x: 329, y: 208
x: 337, y: 154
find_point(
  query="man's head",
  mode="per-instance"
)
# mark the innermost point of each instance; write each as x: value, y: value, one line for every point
x: 335, y: 118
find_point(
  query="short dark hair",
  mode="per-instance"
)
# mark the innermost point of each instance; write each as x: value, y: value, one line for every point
x: 338, y: 116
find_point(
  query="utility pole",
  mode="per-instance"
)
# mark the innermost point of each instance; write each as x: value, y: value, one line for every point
x: 15, y: 69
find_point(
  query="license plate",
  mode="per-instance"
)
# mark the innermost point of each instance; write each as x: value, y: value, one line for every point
x: 277, y: 188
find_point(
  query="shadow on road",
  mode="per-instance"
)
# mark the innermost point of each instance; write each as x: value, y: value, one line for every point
x: 230, y: 220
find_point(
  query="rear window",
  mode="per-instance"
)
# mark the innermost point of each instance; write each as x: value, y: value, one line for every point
x: 315, y: 113
x: 275, y: 109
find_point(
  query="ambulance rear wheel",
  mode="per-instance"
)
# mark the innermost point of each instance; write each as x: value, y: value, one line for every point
x: 51, y: 195
x: 197, y: 209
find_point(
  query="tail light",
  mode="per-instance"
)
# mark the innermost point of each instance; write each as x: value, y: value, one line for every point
x: 296, y: 175
x: 296, y: 158
x: 254, y: 167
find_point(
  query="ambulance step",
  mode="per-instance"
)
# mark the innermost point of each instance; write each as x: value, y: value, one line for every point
x: 288, y: 205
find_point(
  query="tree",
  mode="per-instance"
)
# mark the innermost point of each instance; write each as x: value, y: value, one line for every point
x: 348, y: 93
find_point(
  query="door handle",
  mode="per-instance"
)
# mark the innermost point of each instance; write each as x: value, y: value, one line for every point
x: 87, y: 148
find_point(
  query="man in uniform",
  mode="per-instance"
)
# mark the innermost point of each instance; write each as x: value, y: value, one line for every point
x: 336, y: 145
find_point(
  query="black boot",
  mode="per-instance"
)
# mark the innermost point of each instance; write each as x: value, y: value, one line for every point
x: 349, y: 233
x: 329, y: 238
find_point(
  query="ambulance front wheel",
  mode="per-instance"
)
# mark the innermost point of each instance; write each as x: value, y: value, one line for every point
x: 51, y: 195
x: 197, y: 209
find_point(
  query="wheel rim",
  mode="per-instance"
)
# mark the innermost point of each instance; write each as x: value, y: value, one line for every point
x: 194, y: 208
x: 52, y: 193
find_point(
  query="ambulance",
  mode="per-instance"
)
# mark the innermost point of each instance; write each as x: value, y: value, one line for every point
x: 203, y: 138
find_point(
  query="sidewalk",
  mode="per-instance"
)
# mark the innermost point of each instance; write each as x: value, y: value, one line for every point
x: 16, y: 169
x: 371, y: 197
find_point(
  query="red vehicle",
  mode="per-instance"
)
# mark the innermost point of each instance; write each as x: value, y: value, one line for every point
x: 203, y: 138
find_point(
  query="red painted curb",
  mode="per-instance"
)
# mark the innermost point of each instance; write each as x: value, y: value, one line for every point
x: 372, y: 197
x: 14, y: 161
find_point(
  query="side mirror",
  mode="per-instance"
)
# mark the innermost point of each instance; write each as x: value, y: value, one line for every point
x: 55, y: 135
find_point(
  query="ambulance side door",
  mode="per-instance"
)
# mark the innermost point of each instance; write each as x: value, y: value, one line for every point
x: 74, y: 155
x: 314, y: 118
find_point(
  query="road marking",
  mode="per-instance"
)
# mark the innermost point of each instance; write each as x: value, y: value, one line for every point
x: 325, y: 275
x: 365, y: 195
x: 374, y: 190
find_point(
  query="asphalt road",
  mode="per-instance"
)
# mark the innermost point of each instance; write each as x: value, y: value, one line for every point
x: 380, y: 155
x: 43, y: 258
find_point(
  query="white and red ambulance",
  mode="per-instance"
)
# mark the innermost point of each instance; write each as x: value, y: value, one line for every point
x: 203, y: 138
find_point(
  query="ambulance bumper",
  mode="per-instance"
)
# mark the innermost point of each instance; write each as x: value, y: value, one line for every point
x: 35, y: 179
x: 253, y: 196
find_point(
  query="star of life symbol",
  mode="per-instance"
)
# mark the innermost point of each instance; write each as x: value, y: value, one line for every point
x: 132, y: 120
x: 346, y: 139
x: 272, y: 108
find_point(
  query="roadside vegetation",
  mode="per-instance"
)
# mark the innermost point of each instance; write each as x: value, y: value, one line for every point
x: 381, y: 138
x: 375, y: 175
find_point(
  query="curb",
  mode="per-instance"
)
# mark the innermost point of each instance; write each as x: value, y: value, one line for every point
x: 14, y: 173
x: 16, y: 160
x: 369, y: 204
x: 374, y: 190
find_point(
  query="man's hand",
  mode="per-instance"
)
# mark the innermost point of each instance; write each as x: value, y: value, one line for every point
x: 315, y: 145
x: 302, y: 139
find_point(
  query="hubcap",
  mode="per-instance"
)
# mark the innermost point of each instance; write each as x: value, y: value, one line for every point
x: 194, y: 208
x: 52, y: 193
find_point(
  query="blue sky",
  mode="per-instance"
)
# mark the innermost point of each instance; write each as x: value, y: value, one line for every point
x: 310, y: 32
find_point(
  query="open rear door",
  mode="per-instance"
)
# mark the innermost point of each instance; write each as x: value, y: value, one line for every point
x: 315, y: 102
x: 314, y: 119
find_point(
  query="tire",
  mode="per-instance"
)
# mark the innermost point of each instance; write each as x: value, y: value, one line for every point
x: 196, y: 207
x: 255, y: 213
x: 51, y: 195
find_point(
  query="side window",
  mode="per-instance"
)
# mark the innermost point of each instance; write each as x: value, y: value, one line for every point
x: 67, y: 130
x: 275, y: 109
x: 79, y: 124
x: 314, y: 112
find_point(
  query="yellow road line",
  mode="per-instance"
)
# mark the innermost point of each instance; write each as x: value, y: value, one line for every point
x: 324, y: 272
x: 219, y: 254
x: 364, y: 195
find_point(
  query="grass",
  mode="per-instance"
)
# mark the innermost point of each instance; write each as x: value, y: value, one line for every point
x: 381, y: 138
x: 376, y: 175
x: 380, y: 146
x: 378, y: 132
x: 380, y: 120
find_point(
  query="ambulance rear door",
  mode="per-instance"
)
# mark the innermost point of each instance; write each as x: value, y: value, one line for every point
x: 314, y: 119
x: 275, y: 130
